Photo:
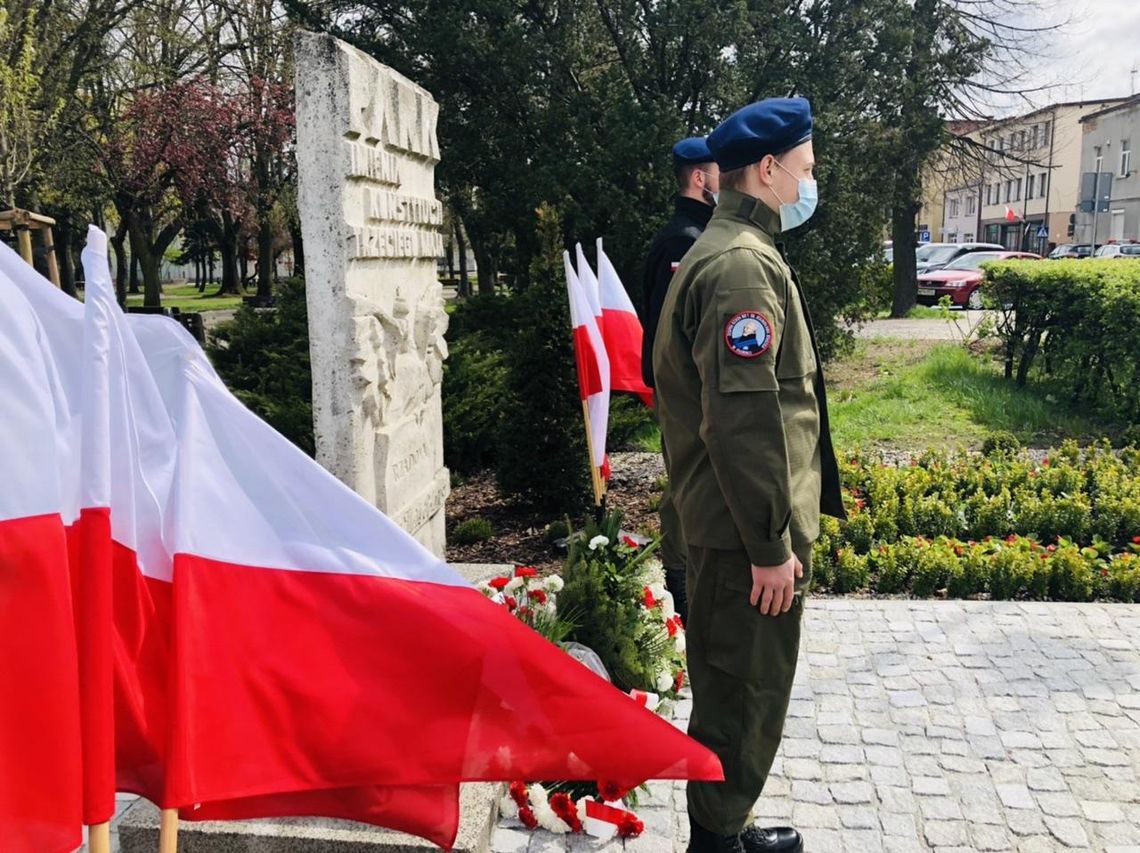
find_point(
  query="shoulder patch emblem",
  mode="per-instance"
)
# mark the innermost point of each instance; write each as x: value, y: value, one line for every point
x: 673, y: 266
x: 748, y: 334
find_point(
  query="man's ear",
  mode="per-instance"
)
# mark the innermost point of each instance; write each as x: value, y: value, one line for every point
x: 766, y: 168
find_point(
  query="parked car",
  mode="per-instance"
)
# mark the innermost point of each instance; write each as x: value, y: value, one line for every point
x: 1119, y: 250
x: 961, y: 279
x: 934, y: 256
x: 1071, y: 250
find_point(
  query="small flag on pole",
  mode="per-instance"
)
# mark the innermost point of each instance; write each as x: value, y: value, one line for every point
x: 622, y: 332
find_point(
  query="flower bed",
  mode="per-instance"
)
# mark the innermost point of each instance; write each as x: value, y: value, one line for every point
x: 1001, y: 526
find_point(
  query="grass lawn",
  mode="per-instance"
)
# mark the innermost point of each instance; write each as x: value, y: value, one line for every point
x: 917, y: 394
x: 185, y: 297
x: 913, y: 394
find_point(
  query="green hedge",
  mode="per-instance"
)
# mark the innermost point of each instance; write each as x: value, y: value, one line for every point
x: 1065, y: 528
x: 1077, y: 321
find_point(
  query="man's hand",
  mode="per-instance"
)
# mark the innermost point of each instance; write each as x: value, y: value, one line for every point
x: 774, y: 587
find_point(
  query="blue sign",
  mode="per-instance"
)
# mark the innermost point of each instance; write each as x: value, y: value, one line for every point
x: 924, y: 236
x: 1042, y: 232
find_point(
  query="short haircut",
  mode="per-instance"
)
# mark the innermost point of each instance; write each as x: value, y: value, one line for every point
x: 733, y: 179
x: 684, y: 173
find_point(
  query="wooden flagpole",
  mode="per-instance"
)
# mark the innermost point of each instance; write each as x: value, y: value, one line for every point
x: 595, y: 472
x: 99, y: 838
x: 168, y: 832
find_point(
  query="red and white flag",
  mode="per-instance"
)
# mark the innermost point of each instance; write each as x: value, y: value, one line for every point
x: 590, y: 358
x: 622, y: 332
x: 1011, y: 215
x: 278, y: 645
x: 41, y: 790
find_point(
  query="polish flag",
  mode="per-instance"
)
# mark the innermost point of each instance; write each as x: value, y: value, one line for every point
x: 278, y: 646
x: 41, y: 791
x: 1011, y: 214
x: 622, y: 331
x: 590, y: 356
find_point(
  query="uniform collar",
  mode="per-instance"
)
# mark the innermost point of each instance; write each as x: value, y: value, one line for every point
x: 692, y: 209
x: 745, y: 208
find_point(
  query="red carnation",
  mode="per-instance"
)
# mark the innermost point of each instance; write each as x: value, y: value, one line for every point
x: 526, y: 815
x: 511, y: 602
x: 630, y: 541
x: 1051, y: 548
x: 538, y: 595
x: 524, y: 611
x: 611, y: 792
x: 563, y: 806
x: 519, y: 794
x: 650, y: 601
x: 679, y: 681
x: 1136, y: 540
x: 498, y: 583
x: 525, y: 572
x: 671, y: 627
x: 630, y: 826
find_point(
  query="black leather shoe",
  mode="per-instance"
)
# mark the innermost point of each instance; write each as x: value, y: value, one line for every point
x: 702, y: 840
x: 780, y: 839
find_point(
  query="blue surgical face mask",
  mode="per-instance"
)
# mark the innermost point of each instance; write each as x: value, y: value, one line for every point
x: 794, y: 215
x: 710, y: 196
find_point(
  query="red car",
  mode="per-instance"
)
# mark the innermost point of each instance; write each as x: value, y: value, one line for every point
x: 961, y: 280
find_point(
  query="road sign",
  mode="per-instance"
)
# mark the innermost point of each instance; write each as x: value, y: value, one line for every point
x: 924, y: 236
x: 1042, y: 232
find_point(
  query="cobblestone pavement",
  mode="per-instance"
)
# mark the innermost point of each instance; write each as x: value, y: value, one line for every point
x: 947, y: 726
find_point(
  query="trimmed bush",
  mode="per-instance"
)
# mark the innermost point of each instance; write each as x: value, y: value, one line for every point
x: 1065, y: 528
x: 471, y: 531
x: 1075, y: 322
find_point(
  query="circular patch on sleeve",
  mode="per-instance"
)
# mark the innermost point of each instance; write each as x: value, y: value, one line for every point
x: 748, y: 334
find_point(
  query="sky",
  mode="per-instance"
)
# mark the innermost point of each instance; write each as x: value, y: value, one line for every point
x: 1091, y: 55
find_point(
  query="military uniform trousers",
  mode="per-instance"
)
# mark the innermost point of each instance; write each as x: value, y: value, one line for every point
x: 741, y: 668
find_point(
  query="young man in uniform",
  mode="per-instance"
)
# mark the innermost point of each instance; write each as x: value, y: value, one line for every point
x: 698, y: 185
x: 749, y: 456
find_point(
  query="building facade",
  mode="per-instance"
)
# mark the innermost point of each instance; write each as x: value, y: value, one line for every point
x: 1108, y: 144
x: 960, y: 214
x: 1030, y: 181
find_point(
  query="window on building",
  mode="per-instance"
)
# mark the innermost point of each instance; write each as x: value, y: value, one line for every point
x: 1036, y: 136
x: 1009, y: 191
x: 1045, y: 129
x: 1021, y: 140
x: 1099, y: 159
x: 968, y: 238
x: 1125, y: 157
x: 1017, y: 190
x: 1029, y: 187
x: 953, y: 208
x: 1042, y: 186
x: 1012, y: 139
x: 971, y: 205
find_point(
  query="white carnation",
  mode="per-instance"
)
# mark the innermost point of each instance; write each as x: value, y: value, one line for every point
x: 652, y: 701
x: 668, y: 609
x: 508, y: 808
x: 654, y: 572
x: 513, y: 584
x: 664, y: 682
x: 554, y: 584
x: 549, y: 821
x: 598, y: 541
x: 680, y: 642
x: 537, y: 795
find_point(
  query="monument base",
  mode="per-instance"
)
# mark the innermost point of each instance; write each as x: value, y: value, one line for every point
x: 138, y: 831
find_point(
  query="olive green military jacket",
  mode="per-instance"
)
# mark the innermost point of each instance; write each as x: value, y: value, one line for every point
x: 740, y: 393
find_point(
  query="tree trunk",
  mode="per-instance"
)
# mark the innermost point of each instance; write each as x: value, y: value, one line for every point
x: 229, y: 246
x: 118, y: 243
x: 451, y: 257
x: 485, y: 269
x: 147, y: 261
x: 243, y: 263
x: 134, y: 283
x: 62, y: 235
x: 298, y: 249
x: 265, y: 259
x: 903, y: 218
x: 461, y: 247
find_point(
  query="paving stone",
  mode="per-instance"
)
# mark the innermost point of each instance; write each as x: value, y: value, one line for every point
x: 939, y: 808
x: 811, y: 792
x: 837, y: 754
x: 1016, y: 796
x: 1025, y: 822
x: 988, y: 837
x: 899, y: 825
x: 510, y: 841
x: 858, y: 817
x: 1045, y: 779
x: 1102, y: 812
x: 1068, y: 831
x: 803, y: 768
x: 807, y: 816
x: 931, y: 786
x: 945, y: 833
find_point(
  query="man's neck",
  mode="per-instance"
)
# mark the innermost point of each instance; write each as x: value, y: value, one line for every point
x: 695, y: 195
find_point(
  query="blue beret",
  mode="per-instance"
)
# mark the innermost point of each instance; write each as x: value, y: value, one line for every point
x: 771, y: 126
x: 692, y: 150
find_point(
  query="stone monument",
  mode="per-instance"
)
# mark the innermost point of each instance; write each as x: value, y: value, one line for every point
x: 366, y: 154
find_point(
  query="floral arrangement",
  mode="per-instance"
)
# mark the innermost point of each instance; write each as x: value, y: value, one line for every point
x: 611, y: 599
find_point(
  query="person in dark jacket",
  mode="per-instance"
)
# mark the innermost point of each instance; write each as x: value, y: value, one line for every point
x: 698, y: 182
